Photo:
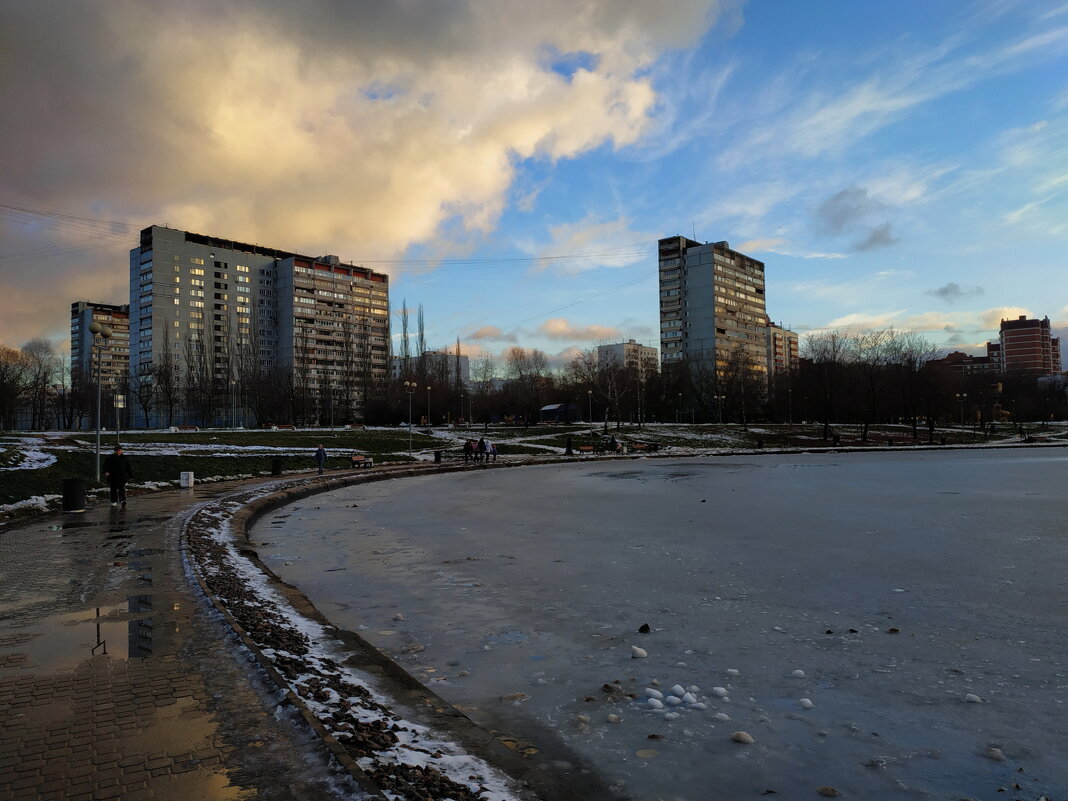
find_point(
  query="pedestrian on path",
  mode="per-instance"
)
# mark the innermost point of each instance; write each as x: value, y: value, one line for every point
x: 320, y: 459
x: 117, y: 471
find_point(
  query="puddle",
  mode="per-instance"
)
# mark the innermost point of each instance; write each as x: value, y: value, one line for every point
x: 62, y: 642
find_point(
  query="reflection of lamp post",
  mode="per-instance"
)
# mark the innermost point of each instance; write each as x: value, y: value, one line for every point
x: 961, y: 397
x: 120, y: 404
x: 719, y: 406
x: 104, y: 332
x: 409, y: 387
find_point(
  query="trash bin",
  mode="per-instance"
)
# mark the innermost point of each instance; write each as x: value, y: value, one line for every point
x: 437, y: 456
x: 276, y: 466
x: 73, y: 495
x: 185, y: 479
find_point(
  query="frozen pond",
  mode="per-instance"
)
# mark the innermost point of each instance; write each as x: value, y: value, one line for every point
x: 923, y: 596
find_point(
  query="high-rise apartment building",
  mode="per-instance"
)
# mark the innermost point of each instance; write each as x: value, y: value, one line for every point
x: 712, y: 305
x: 220, y: 309
x: 113, y: 352
x: 631, y: 355
x: 782, y: 352
x: 1027, y: 347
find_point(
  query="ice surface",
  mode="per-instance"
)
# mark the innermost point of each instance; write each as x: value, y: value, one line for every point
x: 536, y: 581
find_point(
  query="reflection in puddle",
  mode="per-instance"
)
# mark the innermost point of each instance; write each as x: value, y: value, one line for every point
x: 62, y: 642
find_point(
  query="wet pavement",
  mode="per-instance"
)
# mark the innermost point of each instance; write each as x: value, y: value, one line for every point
x: 117, y: 680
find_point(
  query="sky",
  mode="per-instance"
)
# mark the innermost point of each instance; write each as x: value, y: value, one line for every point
x: 511, y: 164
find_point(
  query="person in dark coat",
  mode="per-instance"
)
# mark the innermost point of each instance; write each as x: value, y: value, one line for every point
x: 320, y: 458
x: 117, y: 471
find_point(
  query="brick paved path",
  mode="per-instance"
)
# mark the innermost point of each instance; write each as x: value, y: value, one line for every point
x: 118, y: 681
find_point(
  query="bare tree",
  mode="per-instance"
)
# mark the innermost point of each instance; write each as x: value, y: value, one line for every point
x: 828, y: 352
x: 43, y: 366
x: 13, y: 383
x: 167, y: 378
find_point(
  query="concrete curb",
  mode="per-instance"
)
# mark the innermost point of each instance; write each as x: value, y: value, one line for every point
x: 440, y: 714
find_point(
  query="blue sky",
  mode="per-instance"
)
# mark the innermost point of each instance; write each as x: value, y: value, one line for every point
x: 894, y: 164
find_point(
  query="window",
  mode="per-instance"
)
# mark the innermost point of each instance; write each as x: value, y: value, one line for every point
x: 196, y: 271
x: 196, y: 304
x: 241, y: 268
x: 196, y: 282
x: 195, y: 260
x: 197, y: 315
x: 196, y: 293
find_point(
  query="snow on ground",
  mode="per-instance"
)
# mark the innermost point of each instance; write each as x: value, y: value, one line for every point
x: 346, y: 701
x: 38, y: 503
x: 33, y: 458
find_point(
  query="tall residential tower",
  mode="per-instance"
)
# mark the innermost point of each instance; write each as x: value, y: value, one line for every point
x: 711, y: 306
x: 219, y: 310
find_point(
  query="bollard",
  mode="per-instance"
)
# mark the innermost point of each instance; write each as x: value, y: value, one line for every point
x: 276, y: 466
x: 73, y: 495
x: 437, y: 457
x: 185, y: 479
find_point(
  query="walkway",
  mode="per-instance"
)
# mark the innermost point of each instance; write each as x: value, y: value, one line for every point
x: 119, y: 681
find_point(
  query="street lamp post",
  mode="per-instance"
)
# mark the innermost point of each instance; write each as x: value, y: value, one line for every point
x: 719, y: 406
x: 961, y: 397
x: 120, y: 403
x: 790, y: 406
x: 409, y: 387
x: 678, y: 410
x: 589, y: 396
x: 429, y: 419
x: 104, y: 332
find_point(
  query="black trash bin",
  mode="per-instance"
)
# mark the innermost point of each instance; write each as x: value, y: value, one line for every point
x: 276, y: 466
x: 437, y: 456
x: 73, y: 495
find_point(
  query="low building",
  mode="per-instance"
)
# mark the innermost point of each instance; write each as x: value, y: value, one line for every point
x: 630, y: 355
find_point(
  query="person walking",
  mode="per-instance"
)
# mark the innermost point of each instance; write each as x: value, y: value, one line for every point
x: 481, y: 449
x: 469, y: 450
x: 117, y: 471
x: 320, y: 458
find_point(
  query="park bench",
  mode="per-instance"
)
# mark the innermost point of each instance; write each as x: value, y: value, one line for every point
x: 187, y: 428
x: 361, y: 461
x: 284, y: 427
x: 585, y: 449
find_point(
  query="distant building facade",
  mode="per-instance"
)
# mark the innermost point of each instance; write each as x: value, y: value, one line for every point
x: 1026, y: 346
x: 113, y: 353
x: 783, y: 350
x: 630, y: 355
x: 233, y: 306
x: 712, y: 305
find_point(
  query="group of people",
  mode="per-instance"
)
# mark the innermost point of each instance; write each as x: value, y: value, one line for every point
x: 481, y: 451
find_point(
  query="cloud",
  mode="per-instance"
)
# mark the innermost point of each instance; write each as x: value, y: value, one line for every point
x: 351, y: 127
x: 878, y: 237
x: 757, y: 245
x: 492, y: 333
x: 846, y: 209
x: 593, y: 243
x: 991, y: 318
x: 953, y: 291
x: 560, y: 328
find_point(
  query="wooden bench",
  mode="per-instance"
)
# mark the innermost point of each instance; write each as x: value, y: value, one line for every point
x: 361, y: 461
x: 284, y: 427
x: 585, y: 449
x: 188, y: 428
